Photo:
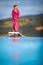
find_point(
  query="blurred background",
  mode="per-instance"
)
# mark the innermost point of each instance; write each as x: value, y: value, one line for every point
x: 22, y: 50
x: 30, y: 20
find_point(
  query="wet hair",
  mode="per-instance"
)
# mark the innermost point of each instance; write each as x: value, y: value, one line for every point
x: 15, y: 6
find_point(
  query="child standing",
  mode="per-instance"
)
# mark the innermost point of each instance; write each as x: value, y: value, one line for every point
x: 15, y: 16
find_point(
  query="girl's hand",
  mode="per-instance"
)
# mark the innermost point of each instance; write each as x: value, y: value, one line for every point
x: 16, y: 11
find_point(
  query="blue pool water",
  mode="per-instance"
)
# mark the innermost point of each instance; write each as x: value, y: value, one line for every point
x: 21, y: 51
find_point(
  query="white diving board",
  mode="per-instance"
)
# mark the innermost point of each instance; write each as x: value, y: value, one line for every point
x: 11, y: 33
x: 16, y: 33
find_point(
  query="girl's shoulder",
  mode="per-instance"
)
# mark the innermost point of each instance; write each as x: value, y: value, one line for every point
x: 12, y: 10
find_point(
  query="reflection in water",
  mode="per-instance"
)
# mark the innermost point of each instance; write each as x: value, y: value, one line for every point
x: 15, y: 39
x: 16, y: 58
x: 15, y: 55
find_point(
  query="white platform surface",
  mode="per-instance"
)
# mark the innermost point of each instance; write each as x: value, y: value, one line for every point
x: 13, y: 32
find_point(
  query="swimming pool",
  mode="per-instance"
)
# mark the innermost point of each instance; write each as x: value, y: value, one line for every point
x: 21, y: 51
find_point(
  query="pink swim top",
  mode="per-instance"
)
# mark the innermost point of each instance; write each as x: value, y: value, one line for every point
x: 15, y: 15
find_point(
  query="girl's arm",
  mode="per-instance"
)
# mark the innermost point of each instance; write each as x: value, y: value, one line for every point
x: 13, y: 14
x: 18, y: 13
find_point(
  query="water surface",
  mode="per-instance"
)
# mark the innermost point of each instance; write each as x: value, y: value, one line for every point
x: 21, y: 51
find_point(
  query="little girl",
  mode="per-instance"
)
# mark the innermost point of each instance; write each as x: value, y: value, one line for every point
x: 15, y: 16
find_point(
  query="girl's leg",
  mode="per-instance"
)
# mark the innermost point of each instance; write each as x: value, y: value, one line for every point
x: 16, y: 26
x: 13, y: 26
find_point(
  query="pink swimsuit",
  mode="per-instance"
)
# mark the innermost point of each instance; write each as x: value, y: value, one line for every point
x: 15, y: 20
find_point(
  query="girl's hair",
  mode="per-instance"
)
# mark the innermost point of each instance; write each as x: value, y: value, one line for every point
x: 15, y: 6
